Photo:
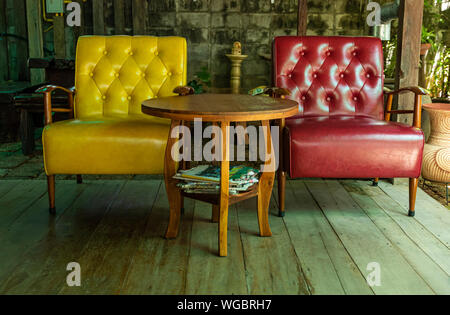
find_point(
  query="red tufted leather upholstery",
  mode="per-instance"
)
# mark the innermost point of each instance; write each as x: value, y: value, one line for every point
x: 339, y: 133
x: 331, y: 75
x: 353, y: 147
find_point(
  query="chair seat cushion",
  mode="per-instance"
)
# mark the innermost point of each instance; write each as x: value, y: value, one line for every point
x: 353, y: 147
x: 128, y: 144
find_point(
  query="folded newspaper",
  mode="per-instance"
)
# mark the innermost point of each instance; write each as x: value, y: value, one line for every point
x: 205, y: 179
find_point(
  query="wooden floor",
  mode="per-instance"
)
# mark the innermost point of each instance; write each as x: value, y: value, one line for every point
x: 113, y: 229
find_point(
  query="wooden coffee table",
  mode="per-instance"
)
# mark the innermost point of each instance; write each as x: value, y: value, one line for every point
x: 221, y: 109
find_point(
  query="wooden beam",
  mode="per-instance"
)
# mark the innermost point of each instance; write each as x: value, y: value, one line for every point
x: 119, y: 17
x: 98, y: 16
x: 408, y: 52
x: 139, y: 17
x: 79, y: 30
x: 35, y: 38
x: 302, y: 17
x: 59, y: 36
x: 4, y: 67
x: 17, y: 45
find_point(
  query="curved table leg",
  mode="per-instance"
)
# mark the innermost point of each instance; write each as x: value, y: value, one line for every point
x: 224, y: 190
x: 266, y: 184
x: 173, y: 193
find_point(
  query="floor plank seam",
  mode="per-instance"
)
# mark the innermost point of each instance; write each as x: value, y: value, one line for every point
x: 392, y: 242
x: 299, y: 262
x: 387, y: 212
x: 188, y: 259
x: 414, y: 218
x: 108, y: 208
x: 122, y: 286
x: 25, y: 209
x: 243, y: 251
x: 337, y: 235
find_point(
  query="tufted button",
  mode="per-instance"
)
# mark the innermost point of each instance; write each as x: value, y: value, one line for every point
x: 156, y: 53
x: 354, y: 53
x: 116, y: 74
x: 103, y: 97
x: 328, y: 99
x: 328, y: 53
x: 143, y: 74
x: 303, y: 97
x: 368, y: 76
x: 290, y: 75
x: 91, y: 74
x: 129, y: 97
x: 105, y: 52
x: 355, y: 98
x: 342, y: 75
x: 315, y: 75
x: 302, y: 53
x: 130, y: 53
x: 169, y: 74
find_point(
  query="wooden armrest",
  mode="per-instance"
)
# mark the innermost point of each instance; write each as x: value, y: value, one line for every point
x: 275, y: 92
x: 184, y: 90
x: 417, y: 112
x: 50, y: 88
x: 47, y: 91
x: 415, y: 89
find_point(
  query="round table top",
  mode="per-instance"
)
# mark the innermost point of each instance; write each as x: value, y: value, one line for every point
x: 220, y: 107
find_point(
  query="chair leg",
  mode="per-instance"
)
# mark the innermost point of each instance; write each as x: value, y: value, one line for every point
x: 281, y: 192
x: 51, y: 193
x: 79, y: 179
x: 375, y: 182
x: 413, y: 182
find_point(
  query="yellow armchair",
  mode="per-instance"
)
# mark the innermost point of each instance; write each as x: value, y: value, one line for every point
x: 108, y: 133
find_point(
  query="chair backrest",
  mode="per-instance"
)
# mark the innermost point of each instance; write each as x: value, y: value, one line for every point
x: 114, y: 74
x: 331, y: 75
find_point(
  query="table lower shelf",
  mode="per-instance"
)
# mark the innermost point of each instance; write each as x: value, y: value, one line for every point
x: 215, y: 198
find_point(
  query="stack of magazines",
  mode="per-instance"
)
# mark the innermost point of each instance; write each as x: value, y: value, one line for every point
x: 205, y: 179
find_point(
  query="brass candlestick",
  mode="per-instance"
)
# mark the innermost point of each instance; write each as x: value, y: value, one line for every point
x: 236, y: 58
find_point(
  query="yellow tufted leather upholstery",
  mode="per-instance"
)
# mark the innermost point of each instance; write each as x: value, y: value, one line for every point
x: 109, y: 134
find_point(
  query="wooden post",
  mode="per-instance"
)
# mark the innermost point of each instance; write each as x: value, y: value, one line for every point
x: 79, y: 30
x: 119, y: 17
x: 302, y: 17
x: 17, y: 46
x: 98, y: 17
x: 4, y: 67
x: 408, y: 52
x: 59, y: 36
x: 139, y: 17
x: 35, y: 41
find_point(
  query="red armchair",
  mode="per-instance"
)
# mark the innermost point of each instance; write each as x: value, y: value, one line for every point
x: 343, y: 130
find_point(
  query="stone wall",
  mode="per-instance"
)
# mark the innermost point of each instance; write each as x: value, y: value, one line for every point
x: 211, y: 26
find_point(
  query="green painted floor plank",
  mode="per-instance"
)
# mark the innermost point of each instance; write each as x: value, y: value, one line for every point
x: 435, y: 277
x: 107, y: 255
x: 159, y: 266
x: 325, y: 261
x: 272, y: 266
x: 429, y: 212
x: 365, y: 242
x: 43, y: 268
x: 33, y: 224
x: 207, y: 272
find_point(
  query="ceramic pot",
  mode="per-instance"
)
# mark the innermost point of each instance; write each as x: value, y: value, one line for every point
x: 436, y: 157
x: 424, y: 48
